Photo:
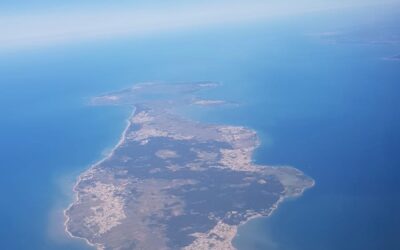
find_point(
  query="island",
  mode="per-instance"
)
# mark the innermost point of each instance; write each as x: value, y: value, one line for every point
x: 175, y: 183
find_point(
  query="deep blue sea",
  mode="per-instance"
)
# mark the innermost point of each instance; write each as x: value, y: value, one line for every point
x: 315, y: 87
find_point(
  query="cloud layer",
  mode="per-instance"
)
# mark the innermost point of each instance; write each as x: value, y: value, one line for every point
x: 49, y: 28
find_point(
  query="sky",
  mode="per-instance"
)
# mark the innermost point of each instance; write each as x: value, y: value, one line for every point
x: 39, y: 23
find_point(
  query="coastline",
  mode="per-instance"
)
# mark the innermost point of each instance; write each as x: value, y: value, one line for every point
x: 122, y: 140
x: 79, y: 178
x: 229, y: 235
x: 273, y: 208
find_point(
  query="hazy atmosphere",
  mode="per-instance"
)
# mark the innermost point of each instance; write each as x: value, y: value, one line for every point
x: 248, y: 125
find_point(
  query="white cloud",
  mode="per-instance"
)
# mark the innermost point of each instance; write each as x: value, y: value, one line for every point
x: 47, y: 28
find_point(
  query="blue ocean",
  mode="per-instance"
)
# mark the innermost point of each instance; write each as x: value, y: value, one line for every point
x: 320, y: 89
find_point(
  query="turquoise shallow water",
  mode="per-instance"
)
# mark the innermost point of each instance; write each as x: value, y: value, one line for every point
x: 327, y: 108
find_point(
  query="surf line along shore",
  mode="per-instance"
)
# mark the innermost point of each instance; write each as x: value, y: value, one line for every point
x: 110, y: 154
